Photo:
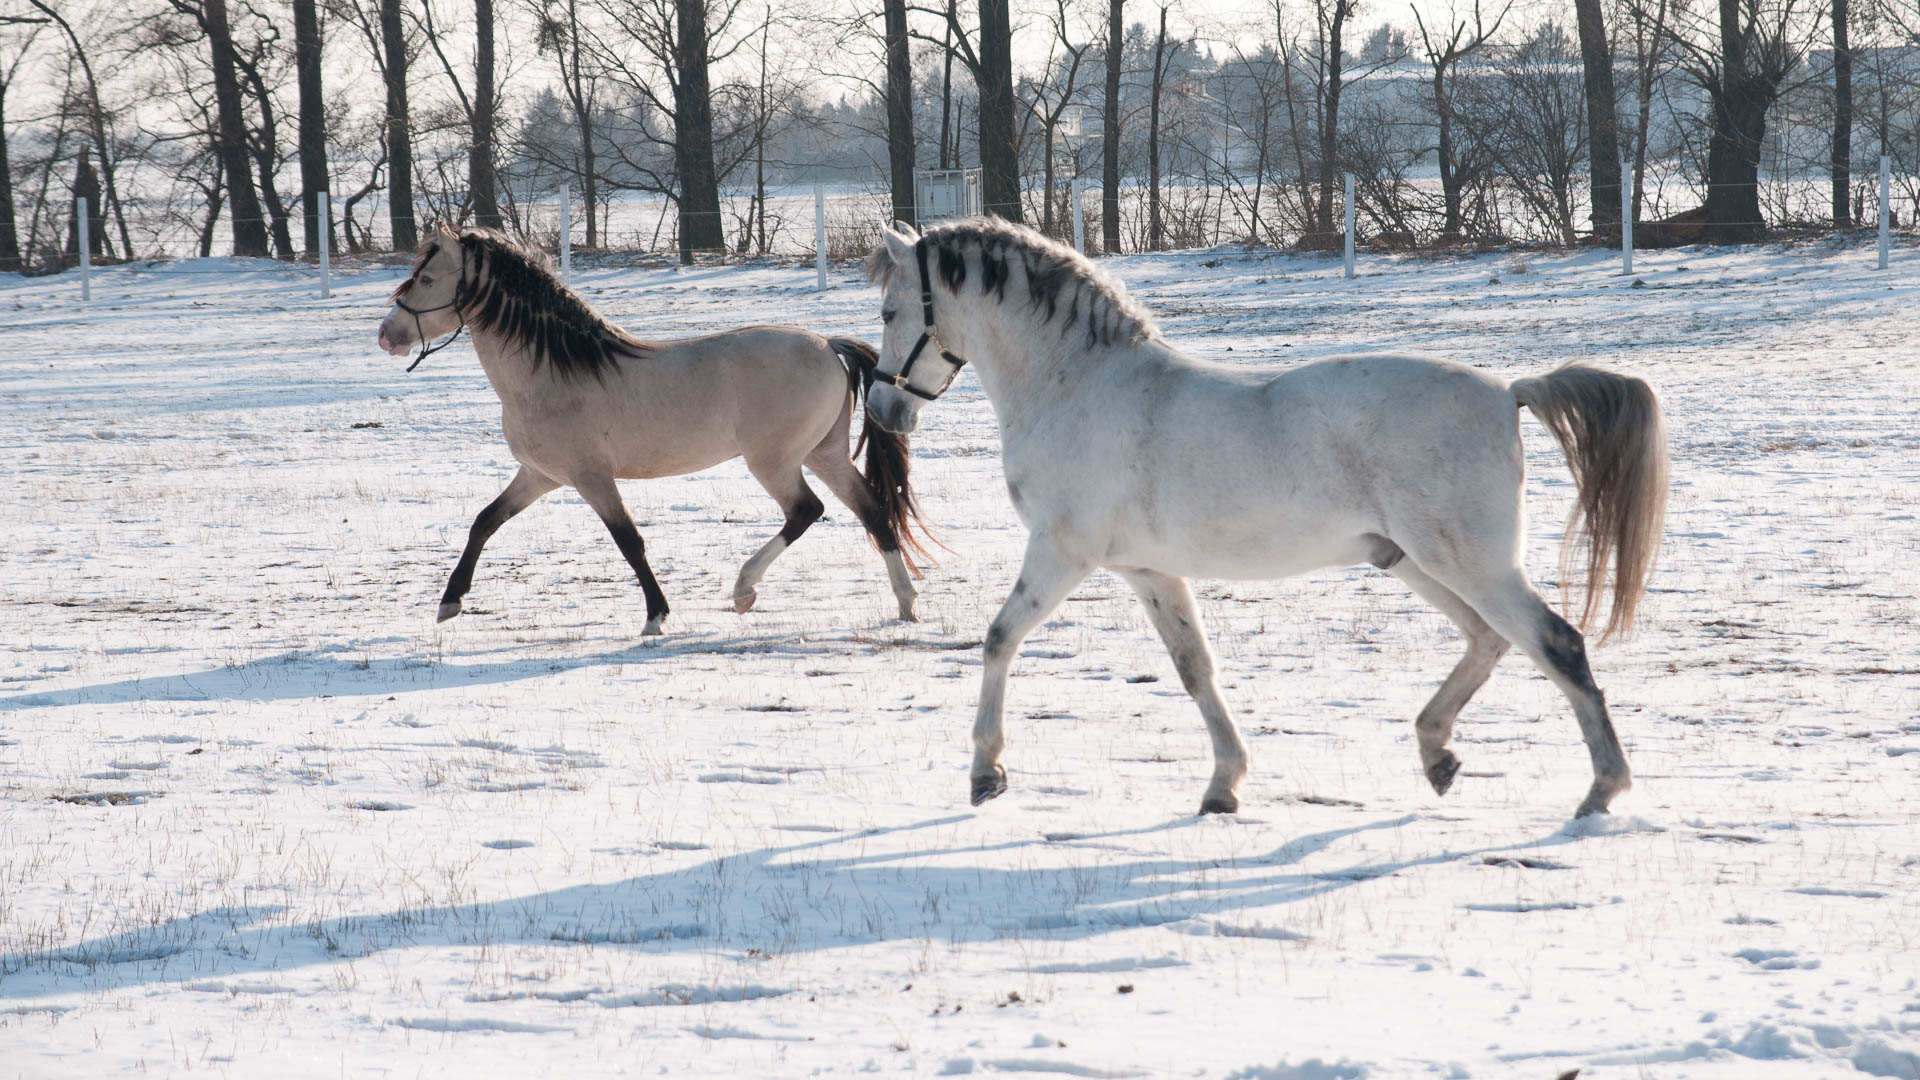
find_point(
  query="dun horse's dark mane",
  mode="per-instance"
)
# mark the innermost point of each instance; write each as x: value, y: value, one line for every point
x: 1057, y: 277
x: 512, y: 291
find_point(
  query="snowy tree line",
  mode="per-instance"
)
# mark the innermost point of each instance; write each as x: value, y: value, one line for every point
x: 209, y: 126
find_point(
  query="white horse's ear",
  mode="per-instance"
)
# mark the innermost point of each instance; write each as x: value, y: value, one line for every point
x: 906, y: 229
x: 899, y: 246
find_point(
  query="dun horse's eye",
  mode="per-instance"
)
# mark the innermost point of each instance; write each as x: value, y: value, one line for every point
x: 425, y: 279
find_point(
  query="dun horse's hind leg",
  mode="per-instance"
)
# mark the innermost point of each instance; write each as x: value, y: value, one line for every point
x: 802, y: 507
x: 1511, y: 607
x: 604, y: 496
x: 1484, y: 650
x: 829, y: 462
x: 526, y: 487
x: 1170, y: 605
x: 1046, y: 577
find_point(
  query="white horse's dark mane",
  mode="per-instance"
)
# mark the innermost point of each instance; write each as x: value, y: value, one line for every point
x: 1057, y: 277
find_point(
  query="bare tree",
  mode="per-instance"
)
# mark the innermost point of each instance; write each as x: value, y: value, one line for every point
x: 1757, y: 51
x: 1163, y: 53
x: 1049, y: 95
x: 561, y: 33
x: 999, y: 149
x: 307, y: 49
x: 1333, y: 17
x: 1110, y: 131
x: 900, y: 153
x: 480, y: 149
x: 1596, y: 59
x: 1841, y: 158
x: 9, y: 232
x: 1444, y: 56
x: 393, y: 43
x: 248, y: 220
x: 98, y: 122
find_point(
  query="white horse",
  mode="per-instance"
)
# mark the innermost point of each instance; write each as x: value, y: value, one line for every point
x: 1121, y: 452
x: 584, y: 403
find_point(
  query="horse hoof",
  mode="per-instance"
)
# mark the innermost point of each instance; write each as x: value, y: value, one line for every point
x: 907, y: 615
x: 1593, y: 804
x: 1441, y: 773
x: 1220, y: 804
x: 448, y: 610
x: 991, y: 786
x: 653, y: 627
x: 744, y: 602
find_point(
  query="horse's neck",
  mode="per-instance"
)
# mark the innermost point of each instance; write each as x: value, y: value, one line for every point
x: 508, y: 366
x: 1030, y: 371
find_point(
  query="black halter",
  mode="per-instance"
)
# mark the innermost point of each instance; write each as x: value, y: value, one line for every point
x: 459, y: 298
x: 899, y: 382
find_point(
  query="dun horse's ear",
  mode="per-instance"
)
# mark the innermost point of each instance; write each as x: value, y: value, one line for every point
x: 899, y: 247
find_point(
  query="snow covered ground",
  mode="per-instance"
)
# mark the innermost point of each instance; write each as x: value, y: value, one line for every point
x: 261, y: 817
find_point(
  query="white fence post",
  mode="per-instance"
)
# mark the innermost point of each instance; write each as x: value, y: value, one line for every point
x: 87, y: 266
x: 1079, y: 220
x: 325, y: 224
x: 1349, y: 238
x: 1886, y: 185
x: 820, y: 236
x: 1626, y: 218
x: 566, y: 234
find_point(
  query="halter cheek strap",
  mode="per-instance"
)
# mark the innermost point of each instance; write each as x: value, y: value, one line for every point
x: 899, y: 382
x: 459, y: 298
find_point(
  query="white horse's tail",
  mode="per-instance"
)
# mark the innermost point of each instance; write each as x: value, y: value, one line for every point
x: 1611, y: 429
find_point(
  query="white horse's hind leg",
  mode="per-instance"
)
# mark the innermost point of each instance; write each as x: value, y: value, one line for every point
x: 1484, y: 650
x: 1046, y: 577
x: 1170, y: 605
x: 1517, y: 613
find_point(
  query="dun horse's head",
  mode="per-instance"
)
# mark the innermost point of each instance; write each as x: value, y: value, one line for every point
x: 427, y: 304
x: 914, y: 366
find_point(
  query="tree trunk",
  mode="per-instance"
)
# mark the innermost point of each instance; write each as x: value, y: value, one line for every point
x: 1842, y: 119
x: 946, y: 92
x: 265, y: 145
x: 249, y: 225
x: 1603, y: 126
x: 1733, y: 151
x: 1330, y: 115
x: 700, y: 227
x: 900, y: 111
x: 1452, y: 223
x: 999, y: 151
x: 86, y: 185
x: 9, y: 230
x: 1110, y: 133
x: 313, y: 121
x: 480, y: 178
x: 210, y: 226
x: 1156, y: 235
x: 399, y: 140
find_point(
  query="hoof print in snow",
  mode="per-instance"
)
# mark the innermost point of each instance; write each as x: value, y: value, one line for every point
x: 377, y: 805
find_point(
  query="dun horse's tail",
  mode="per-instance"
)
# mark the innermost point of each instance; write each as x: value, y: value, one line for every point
x: 1611, y: 429
x: 887, y: 463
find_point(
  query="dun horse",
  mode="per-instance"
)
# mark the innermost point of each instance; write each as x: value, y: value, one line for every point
x: 1121, y: 452
x: 584, y: 403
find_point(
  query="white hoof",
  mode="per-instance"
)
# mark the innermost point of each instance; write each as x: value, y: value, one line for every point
x: 744, y: 602
x: 448, y: 610
x: 652, y: 628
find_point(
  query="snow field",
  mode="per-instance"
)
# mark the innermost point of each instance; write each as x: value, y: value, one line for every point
x: 260, y: 816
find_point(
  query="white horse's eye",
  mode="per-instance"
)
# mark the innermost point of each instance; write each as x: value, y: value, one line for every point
x: 886, y: 316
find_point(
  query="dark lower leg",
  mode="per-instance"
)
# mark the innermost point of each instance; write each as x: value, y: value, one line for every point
x: 525, y: 488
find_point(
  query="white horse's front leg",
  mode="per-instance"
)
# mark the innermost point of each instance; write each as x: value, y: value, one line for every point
x: 1175, y: 615
x: 1047, y: 575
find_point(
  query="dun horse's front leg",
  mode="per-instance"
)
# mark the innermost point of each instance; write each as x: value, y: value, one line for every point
x: 604, y: 497
x: 1047, y: 575
x: 526, y: 487
x: 1170, y: 605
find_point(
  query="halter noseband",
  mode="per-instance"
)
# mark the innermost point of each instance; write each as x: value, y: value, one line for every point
x: 459, y: 298
x: 899, y: 382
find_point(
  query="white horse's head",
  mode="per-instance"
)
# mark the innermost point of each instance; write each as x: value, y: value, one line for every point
x: 914, y: 366
x: 426, y: 305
